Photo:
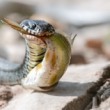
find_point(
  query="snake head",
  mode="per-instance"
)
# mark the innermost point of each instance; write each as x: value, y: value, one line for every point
x: 32, y: 30
x: 36, y: 28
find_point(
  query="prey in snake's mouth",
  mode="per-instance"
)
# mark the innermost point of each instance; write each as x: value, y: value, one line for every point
x: 31, y: 29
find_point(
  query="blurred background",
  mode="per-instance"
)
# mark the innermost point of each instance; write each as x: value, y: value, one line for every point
x: 89, y: 19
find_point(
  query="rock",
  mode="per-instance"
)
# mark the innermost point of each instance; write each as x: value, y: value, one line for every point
x: 5, y: 95
x: 95, y: 44
x: 78, y: 58
x: 105, y: 105
x: 74, y: 91
x: 10, y: 7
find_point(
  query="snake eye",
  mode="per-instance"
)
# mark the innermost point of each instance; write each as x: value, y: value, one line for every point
x: 33, y: 26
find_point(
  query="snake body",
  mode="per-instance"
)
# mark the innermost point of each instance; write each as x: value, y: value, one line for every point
x: 47, y: 57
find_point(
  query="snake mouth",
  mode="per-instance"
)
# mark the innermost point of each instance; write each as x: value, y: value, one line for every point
x: 23, y: 30
x: 26, y: 33
x: 43, y: 29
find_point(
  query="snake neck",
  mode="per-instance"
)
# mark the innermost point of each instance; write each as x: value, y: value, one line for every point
x: 34, y: 55
x: 13, y: 74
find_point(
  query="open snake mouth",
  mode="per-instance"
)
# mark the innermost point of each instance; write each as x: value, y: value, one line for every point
x: 36, y: 28
x: 32, y: 30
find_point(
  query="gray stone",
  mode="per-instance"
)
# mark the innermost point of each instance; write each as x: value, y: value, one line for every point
x: 74, y: 91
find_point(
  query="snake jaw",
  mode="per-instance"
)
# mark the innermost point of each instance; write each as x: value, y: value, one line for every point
x: 34, y: 28
x: 25, y: 32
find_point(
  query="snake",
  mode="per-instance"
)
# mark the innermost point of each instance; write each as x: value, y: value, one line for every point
x: 47, y: 56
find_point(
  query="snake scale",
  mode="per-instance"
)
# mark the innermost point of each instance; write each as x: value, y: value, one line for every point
x: 47, y: 56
